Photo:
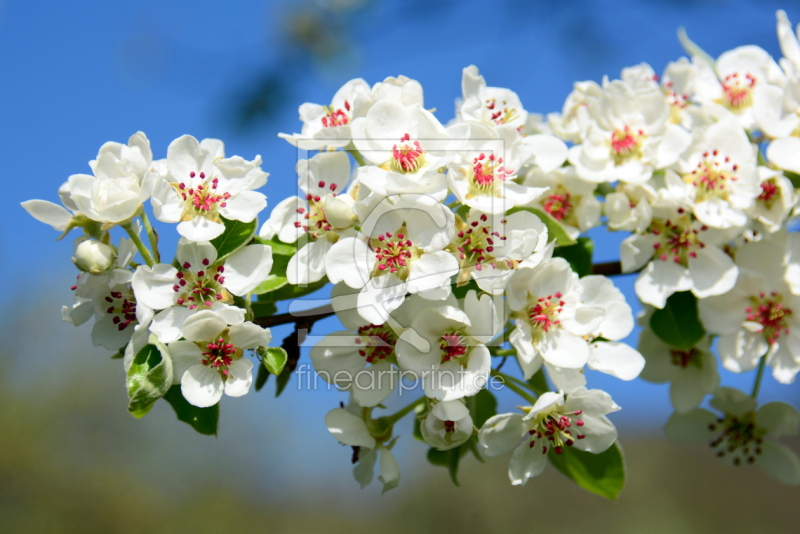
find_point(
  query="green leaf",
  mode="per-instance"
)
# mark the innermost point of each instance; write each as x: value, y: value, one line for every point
x: 602, y: 474
x: 148, y: 379
x: 604, y: 189
x: 262, y: 377
x: 678, y: 324
x: 236, y: 235
x: 289, y: 291
x: 279, y: 248
x: 481, y: 407
x: 263, y: 309
x: 281, y: 381
x: 449, y: 459
x: 418, y: 429
x: 555, y: 230
x: 794, y: 178
x: 277, y: 277
x: 460, y: 292
x: 203, y: 420
x: 538, y: 383
x: 273, y: 358
x: 578, y: 255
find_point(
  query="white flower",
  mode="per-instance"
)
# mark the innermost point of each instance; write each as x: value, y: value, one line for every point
x: 202, y: 185
x: 211, y: 361
x: 447, y: 425
x: 573, y: 121
x: 629, y: 208
x: 330, y: 125
x: 553, y: 422
x: 399, y: 252
x: 490, y: 247
x: 692, y: 374
x: 199, y: 282
x: 351, y: 430
x: 550, y: 318
x: 738, y: 435
x: 759, y: 316
x: 446, y: 347
x: 321, y: 218
x: 629, y: 136
x: 718, y: 175
x: 569, y: 199
x: 775, y: 203
x: 684, y: 257
x: 495, y: 106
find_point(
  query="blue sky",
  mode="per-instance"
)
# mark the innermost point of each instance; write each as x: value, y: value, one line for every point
x: 75, y: 75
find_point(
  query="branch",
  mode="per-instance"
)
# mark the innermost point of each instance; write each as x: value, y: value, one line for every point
x: 309, y: 317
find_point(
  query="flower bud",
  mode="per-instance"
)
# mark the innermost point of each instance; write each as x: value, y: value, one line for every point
x: 93, y: 256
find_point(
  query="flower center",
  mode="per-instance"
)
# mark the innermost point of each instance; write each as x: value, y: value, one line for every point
x: 219, y: 354
x: 685, y: 358
x: 488, y: 173
x: 476, y: 241
x: 555, y: 430
x: 739, y: 438
x: 408, y: 157
x: 543, y: 315
x: 769, y: 193
x: 449, y: 426
x: 626, y: 144
x: 315, y: 222
x: 200, y: 197
x: 501, y: 114
x: 453, y: 345
x: 377, y: 342
x: 202, y: 287
x: 393, y: 253
x: 712, y: 176
x: 769, y: 312
x: 680, y: 239
x: 336, y: 117
x: 122, y: 308
x: 558, y: 205
x: 738, y: 90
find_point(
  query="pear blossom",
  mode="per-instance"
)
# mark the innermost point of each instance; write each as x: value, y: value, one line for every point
x: 569, y: 199
x: 202, y: 185
x: 555, y: 421
x: 574, y: 120
x: 685, y: 256
x: 692, y: 374
x: 489, y: 247
x: 209, y: 361
x: 199, y: 282
x: 447, y: 425
x: 550, y: 319
x: 718, y: 175
x: 776, y: 201
x: 629, y: 208
x: 318, y: 220
x: 629, y: 136
x: 400, y: 251
x: 759, y: 316
x: 351, y: 430
x: 495, y: 106
x: 739, y: 434
x: 446, y: 346
x: 93, y: 256
x: 330, y: 125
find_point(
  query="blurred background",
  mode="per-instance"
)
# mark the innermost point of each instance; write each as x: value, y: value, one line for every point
x: 75, y: 75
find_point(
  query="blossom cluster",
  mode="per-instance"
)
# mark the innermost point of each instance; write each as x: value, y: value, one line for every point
x: 455, y: 246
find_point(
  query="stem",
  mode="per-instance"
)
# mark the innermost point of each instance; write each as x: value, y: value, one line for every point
x: 308, y: 316
x: 151, y: 235
x: 248, y: 306
x: 759, y: 376
x: 357, y: 156
x: 148, y: 258
x: 395, y: 417
x: 610, y: 268
x: 509, y: 381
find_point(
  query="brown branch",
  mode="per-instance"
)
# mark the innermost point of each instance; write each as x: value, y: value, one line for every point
x: 610, y: 268
x: 308, y: 317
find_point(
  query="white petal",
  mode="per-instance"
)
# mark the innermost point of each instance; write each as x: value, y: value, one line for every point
x: 201, y: 386
x: 153, y: 286
x: 240, y: 378
x: 47, y: 212
x: 713, y: 272
x: 349, y: 429
x: 501, y: 433
x: 780, y: 462
x: 691, y: 426
x: 525, y: 463
x: 616, y: 359
x: 249, y: 336
x: 247, y: 268
x: 390, y: 471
